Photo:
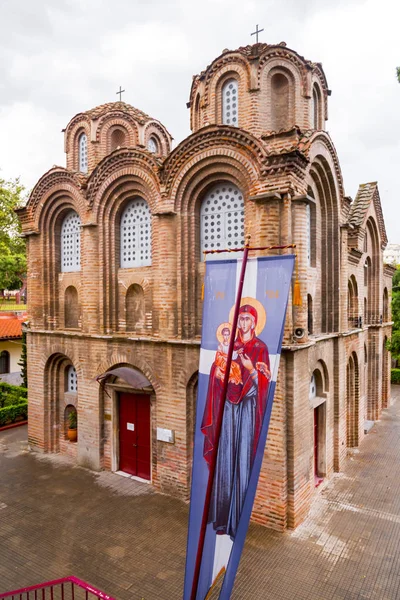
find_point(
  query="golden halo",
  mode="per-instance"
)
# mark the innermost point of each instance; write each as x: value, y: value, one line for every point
x: 219, y: 331
x: 262, y: 316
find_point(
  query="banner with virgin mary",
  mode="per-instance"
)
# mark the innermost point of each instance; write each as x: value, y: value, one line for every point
x: 246, y: 411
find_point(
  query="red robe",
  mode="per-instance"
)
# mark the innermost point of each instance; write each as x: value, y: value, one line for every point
x: 256, y: 351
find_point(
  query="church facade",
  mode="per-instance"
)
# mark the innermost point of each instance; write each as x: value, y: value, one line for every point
x: 115, y: 253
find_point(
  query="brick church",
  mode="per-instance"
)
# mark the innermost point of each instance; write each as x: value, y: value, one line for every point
x: 115, y: 246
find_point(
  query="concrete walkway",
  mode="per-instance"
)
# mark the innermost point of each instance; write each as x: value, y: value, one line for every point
x: 58, y: 520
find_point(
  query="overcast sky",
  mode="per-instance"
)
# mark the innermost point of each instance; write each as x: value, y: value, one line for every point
x: 61, y: 57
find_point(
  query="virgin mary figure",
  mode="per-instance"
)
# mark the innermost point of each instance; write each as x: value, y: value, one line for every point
x: 244, y: 409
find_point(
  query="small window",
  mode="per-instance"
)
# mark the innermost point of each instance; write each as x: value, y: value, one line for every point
x: 152, y: 145
x: 230, y: 103
x: 313, y: 387
x: 4, y: 362
x: 136, y: 235
x: 70, y: 243
x: 83, y: 158
x: 72, y: 380
x: 308, y: 213
x: 222, y: 219
x: 118, y: 139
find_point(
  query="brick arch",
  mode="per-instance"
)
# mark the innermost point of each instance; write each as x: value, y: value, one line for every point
x: 51, y: 219
x: 112, y: 172
x: 155, y: 128
x: 53, y: 368
x: 78, y: 125
x: 54, y: 184
x: 120, y: 190
x: 228, y: 62
x: 119, y: 359
x: 323, y: 183
x: 203, y: 174
x: 216, y: 87
x: 112, y: 120
x: 269, y: 105
x: 373, y: 272
x: 282, y: 56
x: 209, y: 165
x: 352, y: 401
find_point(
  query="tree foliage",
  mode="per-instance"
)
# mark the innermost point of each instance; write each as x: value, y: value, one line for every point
x: 12, y: 246
x: 395, y: 341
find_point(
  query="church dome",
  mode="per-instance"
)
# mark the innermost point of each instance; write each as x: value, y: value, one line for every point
x: 95, y: 133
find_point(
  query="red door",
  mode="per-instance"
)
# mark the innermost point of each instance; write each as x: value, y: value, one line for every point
x: 316, y: 442
x: 134, y: 434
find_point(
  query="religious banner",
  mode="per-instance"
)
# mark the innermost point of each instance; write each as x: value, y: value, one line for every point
x: 233, y: 411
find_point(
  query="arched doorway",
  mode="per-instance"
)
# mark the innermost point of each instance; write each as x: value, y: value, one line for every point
x: 352, y: 402
x: 128, y: 402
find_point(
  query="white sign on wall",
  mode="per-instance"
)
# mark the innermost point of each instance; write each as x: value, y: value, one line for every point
x: 130, y: 426
x: 165, y: 435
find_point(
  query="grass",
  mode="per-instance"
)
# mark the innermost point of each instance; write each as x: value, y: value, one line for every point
x: 6, y: 305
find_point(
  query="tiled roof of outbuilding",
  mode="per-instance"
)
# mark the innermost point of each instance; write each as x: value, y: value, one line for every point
x: 11, y: 325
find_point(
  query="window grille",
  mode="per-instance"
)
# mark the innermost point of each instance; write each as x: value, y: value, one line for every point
x: 70, y: 243
x: 230, y: 103
x: 136, y: 234
x: 83, y: 158
x: 222, y: 219
x: 72, y: 380
x: 4, y: 362
x: 152, y: 145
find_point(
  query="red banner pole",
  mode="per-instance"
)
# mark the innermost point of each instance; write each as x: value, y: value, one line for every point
x: 218, y: 427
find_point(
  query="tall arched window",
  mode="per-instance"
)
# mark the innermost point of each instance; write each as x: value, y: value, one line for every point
x: 317, y: 108
x: 136, y: 234
x: 310, y: 316
x: 118, y: 138
x: 222, y: 218
x: 4, y: 362
x: 280, y: 102
x: 72, y: 379
x: 82, y: 152
x: 71, y: 243
x: 230, y: 103
x: 153, y: 145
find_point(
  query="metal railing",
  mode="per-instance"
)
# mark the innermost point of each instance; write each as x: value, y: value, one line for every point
x: 67, y: 588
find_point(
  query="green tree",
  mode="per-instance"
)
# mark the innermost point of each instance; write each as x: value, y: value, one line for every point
x: 12, y: 246
x: 395, y: 341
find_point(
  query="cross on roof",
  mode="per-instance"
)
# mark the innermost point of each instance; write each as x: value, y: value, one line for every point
x: 120, y: 93
x: 256, y: 32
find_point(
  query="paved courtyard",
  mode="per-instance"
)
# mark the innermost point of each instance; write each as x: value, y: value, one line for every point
x: 58, y: 520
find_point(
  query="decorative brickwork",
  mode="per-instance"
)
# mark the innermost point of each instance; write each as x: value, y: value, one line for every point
x: 112, y: 309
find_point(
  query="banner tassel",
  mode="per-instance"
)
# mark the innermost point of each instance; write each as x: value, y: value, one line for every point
x: 297, y: 300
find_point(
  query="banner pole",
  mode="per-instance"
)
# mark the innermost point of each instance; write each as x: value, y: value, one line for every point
x: 218, y: 427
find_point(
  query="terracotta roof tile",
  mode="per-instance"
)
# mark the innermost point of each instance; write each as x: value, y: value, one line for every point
x: 11, y: 325
x: 98, y: 111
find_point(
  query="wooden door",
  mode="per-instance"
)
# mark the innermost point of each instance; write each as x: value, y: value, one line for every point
x: 316, y: 442
x: 134, y: 434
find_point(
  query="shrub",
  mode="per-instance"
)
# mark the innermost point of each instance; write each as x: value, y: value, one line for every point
x: 395, y: 376
x: 9, y: 414
x: 11, y: 395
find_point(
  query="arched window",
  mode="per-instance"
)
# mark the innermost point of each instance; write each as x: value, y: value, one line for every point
x: 222, y: 218
x: 230, y: 103
x: 280, y: 102
x: 136, y: 234
x: 153, y: 145
x: 135, y: 308
x: 117, y: 139
x: 313, y: 387
x: 310, y: 319
x: 385, y: 306
x: 71, y: 307
x: 72, y: 379
x: 308, y: 213
x: 71, y: 243
x: 82, y: 152
x: 196, y: 120
x: 317, y: 108
x: 4, y: 362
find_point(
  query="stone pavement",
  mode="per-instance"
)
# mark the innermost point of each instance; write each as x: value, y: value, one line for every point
x: 58, y: 520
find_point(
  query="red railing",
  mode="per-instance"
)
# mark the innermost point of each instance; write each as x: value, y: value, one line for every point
x: 67, y: 588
